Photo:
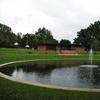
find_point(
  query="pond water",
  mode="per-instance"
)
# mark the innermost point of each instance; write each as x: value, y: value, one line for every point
x: 60, y: 73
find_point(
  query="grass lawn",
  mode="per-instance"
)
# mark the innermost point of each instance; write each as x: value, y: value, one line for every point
x: 8, y: 55
x: 16, y: 91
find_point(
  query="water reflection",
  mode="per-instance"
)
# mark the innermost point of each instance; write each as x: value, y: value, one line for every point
x: 34, y: 73
x: 62, y: 74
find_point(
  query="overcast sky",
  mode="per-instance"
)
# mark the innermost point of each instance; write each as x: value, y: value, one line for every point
x: 63, y: 17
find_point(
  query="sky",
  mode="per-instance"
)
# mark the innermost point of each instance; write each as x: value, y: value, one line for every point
x: 64, y: 18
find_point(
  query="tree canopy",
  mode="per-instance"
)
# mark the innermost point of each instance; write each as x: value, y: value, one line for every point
x: 7, y: 37
x: 66, y: 44
x: 89, y: 37
x: 44, y: 36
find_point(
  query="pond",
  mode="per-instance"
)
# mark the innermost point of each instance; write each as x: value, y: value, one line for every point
x: 61, y: 73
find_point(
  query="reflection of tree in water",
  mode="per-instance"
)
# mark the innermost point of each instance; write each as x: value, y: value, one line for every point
x: 90, y: 75
x: 41, y: 72
x: 42, y: 68
x: 37, y: 68
x: 7, y: 70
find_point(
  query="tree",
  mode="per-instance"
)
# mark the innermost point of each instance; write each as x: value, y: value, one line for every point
x: 29, y: 39
x: 96, y: 45
x: 19, y: 39
x: 44, y: 36
x: 86, y: 36
x: 7, y: 37
x: 66, y: 44
x: 5, y: 29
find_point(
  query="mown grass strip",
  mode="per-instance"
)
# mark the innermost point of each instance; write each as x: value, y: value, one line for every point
x: 14, y: 91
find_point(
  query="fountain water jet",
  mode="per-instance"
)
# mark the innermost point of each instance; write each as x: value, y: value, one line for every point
x: 90, y: 60
x: 91, y: 56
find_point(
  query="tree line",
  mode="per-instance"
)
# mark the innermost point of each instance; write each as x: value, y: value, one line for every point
x: 88, y: 37
x: 42, y: 35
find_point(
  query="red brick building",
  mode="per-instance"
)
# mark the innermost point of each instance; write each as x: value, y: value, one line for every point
x: 48, y: 47
x: 74, y: 49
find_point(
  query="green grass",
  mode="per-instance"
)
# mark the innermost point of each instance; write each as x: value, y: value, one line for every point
x: 16, y: 91
x: 8, y: 55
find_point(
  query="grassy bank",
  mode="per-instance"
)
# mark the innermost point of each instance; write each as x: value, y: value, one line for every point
x: 15, y: 91
x: 8, y: 55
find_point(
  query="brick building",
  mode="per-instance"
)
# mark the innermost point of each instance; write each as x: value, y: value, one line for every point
x: 48, y: 47
x: 58, y: 48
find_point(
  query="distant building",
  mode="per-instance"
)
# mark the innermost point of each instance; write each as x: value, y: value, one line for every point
x: 48, y: 47
x: 61, y: 49
x: 78, y: 48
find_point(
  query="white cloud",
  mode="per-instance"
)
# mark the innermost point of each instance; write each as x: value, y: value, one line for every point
x: 63, y: 17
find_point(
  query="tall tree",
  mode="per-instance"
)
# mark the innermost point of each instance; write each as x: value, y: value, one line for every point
x: 19, y: 39
x: 66, y: 44
x: 29, y: 39
x: 87, y: 36
x: 44, y: 36
x: 96, y: 45
x: 7, y: 37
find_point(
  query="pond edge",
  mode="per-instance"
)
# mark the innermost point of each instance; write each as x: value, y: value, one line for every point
x: 40, y: 84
